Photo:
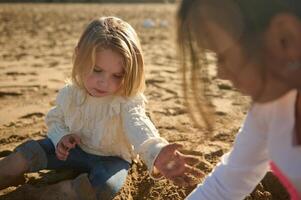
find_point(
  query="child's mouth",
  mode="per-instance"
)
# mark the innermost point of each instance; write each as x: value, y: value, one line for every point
x: 100, y: 91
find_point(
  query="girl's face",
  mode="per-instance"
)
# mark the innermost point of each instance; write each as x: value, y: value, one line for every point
x: 245, y: 74
x: 106, y: 76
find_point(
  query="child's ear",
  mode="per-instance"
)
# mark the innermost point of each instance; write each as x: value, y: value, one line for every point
x: 283, y: 38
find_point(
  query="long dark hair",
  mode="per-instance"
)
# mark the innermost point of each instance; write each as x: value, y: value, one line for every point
x: 244, y: 20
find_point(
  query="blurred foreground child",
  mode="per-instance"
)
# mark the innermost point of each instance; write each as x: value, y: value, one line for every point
x: 257, y: 44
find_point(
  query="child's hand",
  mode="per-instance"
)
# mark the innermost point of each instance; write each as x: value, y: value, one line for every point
x: 178, y: 167
x: 65, y: 144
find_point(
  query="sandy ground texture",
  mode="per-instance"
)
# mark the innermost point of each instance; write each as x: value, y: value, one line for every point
x: 36, y: 43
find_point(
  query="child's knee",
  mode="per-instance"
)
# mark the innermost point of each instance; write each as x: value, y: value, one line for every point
x: 83, y: 188
x: 106, y: 188
x: 86, y: 191
x: 34, y: 155
x: 106, y: 191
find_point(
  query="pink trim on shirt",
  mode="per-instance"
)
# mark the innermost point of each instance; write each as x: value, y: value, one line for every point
x: 286, y: 182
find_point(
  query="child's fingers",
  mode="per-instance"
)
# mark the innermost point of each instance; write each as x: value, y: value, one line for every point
x: 66, y: 144
x: 59, y: 155
x: 190, y: 177
x: 195, y: 172
x: 74, y: 139
x: 192, y: 160
x: 185, y: 170
x: 62, y: 150
x: 189, y: 159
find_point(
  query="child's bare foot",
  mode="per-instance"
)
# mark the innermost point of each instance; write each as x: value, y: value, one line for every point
x: 12, y: 169
x: 79, y: 189
x: 60, y: 191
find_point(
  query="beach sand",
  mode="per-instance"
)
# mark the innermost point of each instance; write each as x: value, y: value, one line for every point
x: 37, y: 42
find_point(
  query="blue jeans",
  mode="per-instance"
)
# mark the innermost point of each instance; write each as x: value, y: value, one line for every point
x: 106, y: 173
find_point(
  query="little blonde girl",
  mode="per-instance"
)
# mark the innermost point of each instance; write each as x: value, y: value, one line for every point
x: 99, y: 123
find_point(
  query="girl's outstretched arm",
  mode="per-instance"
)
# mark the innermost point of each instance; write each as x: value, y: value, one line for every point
x: 147, y: 142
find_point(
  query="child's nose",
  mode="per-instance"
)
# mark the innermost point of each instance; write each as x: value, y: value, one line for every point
x: 103, y: 80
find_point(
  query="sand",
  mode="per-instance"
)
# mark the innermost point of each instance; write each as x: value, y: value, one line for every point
x: 37, y: 41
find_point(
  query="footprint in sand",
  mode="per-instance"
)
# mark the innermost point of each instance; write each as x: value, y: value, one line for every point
x: 13, y: 139
x: 175, y: 111
x: 34, y: 114
x: 10, y: 93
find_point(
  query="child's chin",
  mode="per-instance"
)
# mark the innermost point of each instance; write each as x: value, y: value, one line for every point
x: 98, y: 94
x: 101, y: 94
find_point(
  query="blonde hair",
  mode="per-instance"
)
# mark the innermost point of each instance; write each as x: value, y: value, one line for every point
x: 119, y: 36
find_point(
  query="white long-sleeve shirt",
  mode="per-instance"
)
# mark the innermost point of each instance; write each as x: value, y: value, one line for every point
x: 267, y: 136
x: 107, y: 126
